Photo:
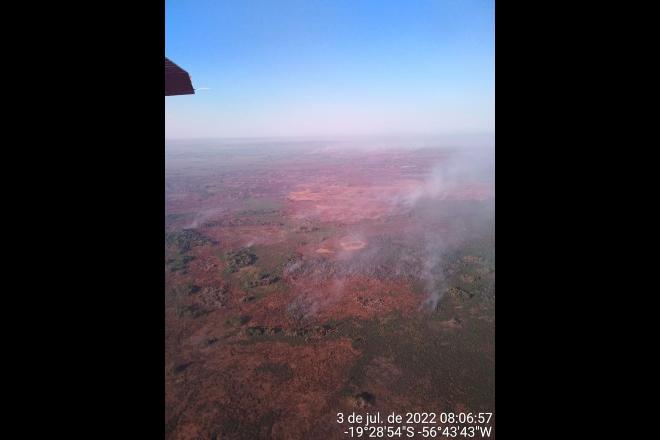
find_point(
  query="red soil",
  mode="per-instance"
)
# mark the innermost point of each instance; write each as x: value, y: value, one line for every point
x: 218, y: 379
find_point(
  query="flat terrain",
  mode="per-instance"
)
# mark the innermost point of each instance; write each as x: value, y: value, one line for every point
x: 305, y: 279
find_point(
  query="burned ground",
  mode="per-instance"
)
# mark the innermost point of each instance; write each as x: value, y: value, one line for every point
x: 300, y: 284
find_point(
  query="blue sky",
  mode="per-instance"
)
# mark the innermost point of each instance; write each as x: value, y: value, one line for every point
x: 331, y: 67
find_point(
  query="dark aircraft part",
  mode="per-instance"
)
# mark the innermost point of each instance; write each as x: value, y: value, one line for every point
x: 177, y: 80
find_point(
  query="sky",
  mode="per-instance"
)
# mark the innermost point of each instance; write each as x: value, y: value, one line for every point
x: 298, y: 68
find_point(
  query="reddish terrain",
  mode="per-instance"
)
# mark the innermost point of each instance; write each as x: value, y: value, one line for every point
x: 300, y: 277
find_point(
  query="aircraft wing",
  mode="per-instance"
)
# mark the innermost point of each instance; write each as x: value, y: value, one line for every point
x: 177, y: 80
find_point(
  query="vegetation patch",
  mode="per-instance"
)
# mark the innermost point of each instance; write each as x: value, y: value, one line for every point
x: 237, y: 321
x: 260, y: 278
x: 179, y: 263
x: 186, y: 239
x: 279, y: 370
x: 302, y: 333
x: 238, y: 259
x: 192, y: 311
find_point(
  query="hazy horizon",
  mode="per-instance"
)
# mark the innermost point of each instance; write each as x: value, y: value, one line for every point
x: 477, y: 141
